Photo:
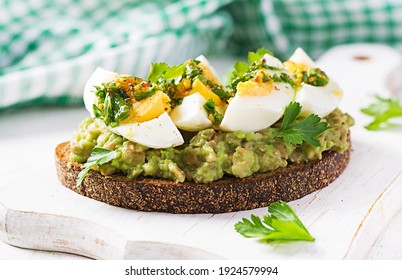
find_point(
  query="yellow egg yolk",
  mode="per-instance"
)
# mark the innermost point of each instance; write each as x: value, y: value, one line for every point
x: 185, y: 87
x: 253, y: 88
x: 207, y: 73
x: 296, y: 69
x: 147, y: 108
x: 293, y: 67
x: 206, y: 92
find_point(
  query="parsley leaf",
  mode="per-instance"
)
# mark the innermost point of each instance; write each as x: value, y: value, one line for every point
x: 305, y: 130
x: 382, y: 110
x: 240, y: 68
x: 211, y: 110
x: 174, y: 71
x: 157, y: 69
x: 98, y: 157
x: 162, y: 69
x: 256, y: 56
x: 281, y: 224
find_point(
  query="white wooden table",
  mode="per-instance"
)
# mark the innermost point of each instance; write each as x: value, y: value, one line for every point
x: 362, y: 206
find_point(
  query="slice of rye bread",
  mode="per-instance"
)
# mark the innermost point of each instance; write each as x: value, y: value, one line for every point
x: 225, y: 195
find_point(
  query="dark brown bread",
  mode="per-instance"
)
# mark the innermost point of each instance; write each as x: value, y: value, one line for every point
x: 225, y: 195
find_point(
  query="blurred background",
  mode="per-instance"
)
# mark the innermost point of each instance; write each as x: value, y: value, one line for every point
x: 48, y: 49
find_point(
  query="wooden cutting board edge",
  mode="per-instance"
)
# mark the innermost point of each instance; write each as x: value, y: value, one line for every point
x: 82, y: 237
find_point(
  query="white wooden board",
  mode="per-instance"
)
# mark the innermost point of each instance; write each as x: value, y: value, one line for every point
x: 345, y: 218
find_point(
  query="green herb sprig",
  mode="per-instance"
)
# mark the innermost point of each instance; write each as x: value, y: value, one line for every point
x: 281, y: 224
x: 98, y: 157
x: 257, y: 56
x: 157, y: 70
x: 242, y: 70
x: 306, y: 130
x: 175, y: 71
x: 383, y: 110
x: 161, y: 70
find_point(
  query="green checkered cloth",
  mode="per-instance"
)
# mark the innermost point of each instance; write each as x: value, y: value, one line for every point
x: 48, y: 49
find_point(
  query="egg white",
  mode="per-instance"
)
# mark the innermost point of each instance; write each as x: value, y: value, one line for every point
x: 319, y: 100
x: 272, y: 61
x: 301, y: 57
x: 313, y: 99
x: 157, y: 133
x: 254, y: 113
x: 190, y: 115
x: 96, y: 79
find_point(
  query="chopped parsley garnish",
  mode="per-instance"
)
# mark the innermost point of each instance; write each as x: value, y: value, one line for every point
x: 113, y: 105
x: 281, y: 224
x: 283, y: 78
x: 176, y: 80
x: 216, y: 88
x: 265, y: 77
x: 138, y: 95
x: 297, y: 132
x: 254, y: 69
x: 243, y: 72
x: 238, y: 79
x: 98, y: 157
x: 315, y: 77
x: 211, y: 110
x: 193, y: 70
x: 382, y: 110
x: 175, y: 101
x: 266, y: 66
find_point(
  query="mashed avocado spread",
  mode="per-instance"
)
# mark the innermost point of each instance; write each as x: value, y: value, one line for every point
x: 207, y: 155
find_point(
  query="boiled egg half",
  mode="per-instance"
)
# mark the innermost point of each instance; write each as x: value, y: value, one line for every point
x: 258, y: 104
x: 191, y: 115
x: 319, y: 100
x: 149, y: 123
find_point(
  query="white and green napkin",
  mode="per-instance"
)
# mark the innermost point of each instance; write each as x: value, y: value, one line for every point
x: 48, y: 49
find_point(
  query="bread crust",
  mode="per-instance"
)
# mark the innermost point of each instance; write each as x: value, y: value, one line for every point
x: 225, y: 195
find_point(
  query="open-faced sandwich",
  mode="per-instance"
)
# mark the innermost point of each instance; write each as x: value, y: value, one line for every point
x: 181, y: 142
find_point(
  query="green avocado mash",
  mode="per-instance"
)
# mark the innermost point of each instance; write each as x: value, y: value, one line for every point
x: 210, y: 154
